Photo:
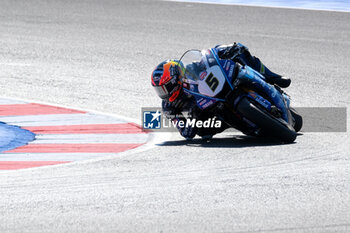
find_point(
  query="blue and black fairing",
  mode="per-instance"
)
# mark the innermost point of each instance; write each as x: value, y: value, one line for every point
x: 247, y: 74
x: 203, y: 101
x: 228, y: 69
x: 234, y: 75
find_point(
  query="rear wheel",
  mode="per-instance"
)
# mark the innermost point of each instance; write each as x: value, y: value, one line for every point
x: 267, y: 123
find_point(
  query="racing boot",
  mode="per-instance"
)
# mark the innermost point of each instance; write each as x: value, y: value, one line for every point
x: 245, y: 58
x: 270, y: 76
x: 279, y: 80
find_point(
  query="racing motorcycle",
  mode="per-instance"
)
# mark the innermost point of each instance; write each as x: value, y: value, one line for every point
x: 239, y: 96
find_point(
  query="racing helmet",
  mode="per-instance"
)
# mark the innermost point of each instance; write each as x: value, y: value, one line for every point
x: 167, y: 79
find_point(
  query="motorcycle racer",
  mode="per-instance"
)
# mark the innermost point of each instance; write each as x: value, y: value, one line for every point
x: 167, y: 82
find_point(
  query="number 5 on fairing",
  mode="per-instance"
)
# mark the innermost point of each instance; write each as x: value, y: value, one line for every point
x: 212, y: 82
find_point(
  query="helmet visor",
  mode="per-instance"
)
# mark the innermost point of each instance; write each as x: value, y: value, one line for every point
x: 161, y: 91
x: 166, y: 90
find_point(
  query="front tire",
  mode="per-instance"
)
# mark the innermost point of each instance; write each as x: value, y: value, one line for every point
x: 267, y: 123
x: 298, y: 120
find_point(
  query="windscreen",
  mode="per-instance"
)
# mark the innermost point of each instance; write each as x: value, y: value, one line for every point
x: 194, y: 64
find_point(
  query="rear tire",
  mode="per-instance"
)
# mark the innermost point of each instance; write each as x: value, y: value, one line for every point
x: 267, y: 123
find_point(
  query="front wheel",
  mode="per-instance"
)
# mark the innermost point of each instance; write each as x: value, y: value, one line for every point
x: 267, y: 123
x: 298, y: 119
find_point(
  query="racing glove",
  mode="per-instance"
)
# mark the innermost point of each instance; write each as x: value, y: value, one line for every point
x: 186, y: 131
x: 232, y: 51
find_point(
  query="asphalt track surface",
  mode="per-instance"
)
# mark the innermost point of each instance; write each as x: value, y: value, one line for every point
x: 99, y: 55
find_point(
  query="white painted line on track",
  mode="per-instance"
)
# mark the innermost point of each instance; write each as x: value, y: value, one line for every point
x: 52, y: 156
x: 60, y: 119
x: 9, y: 101
x: 90, y: 138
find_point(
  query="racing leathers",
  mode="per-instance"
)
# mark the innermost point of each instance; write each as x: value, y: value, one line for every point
x: 240, y: 53
x: 185, y: 107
